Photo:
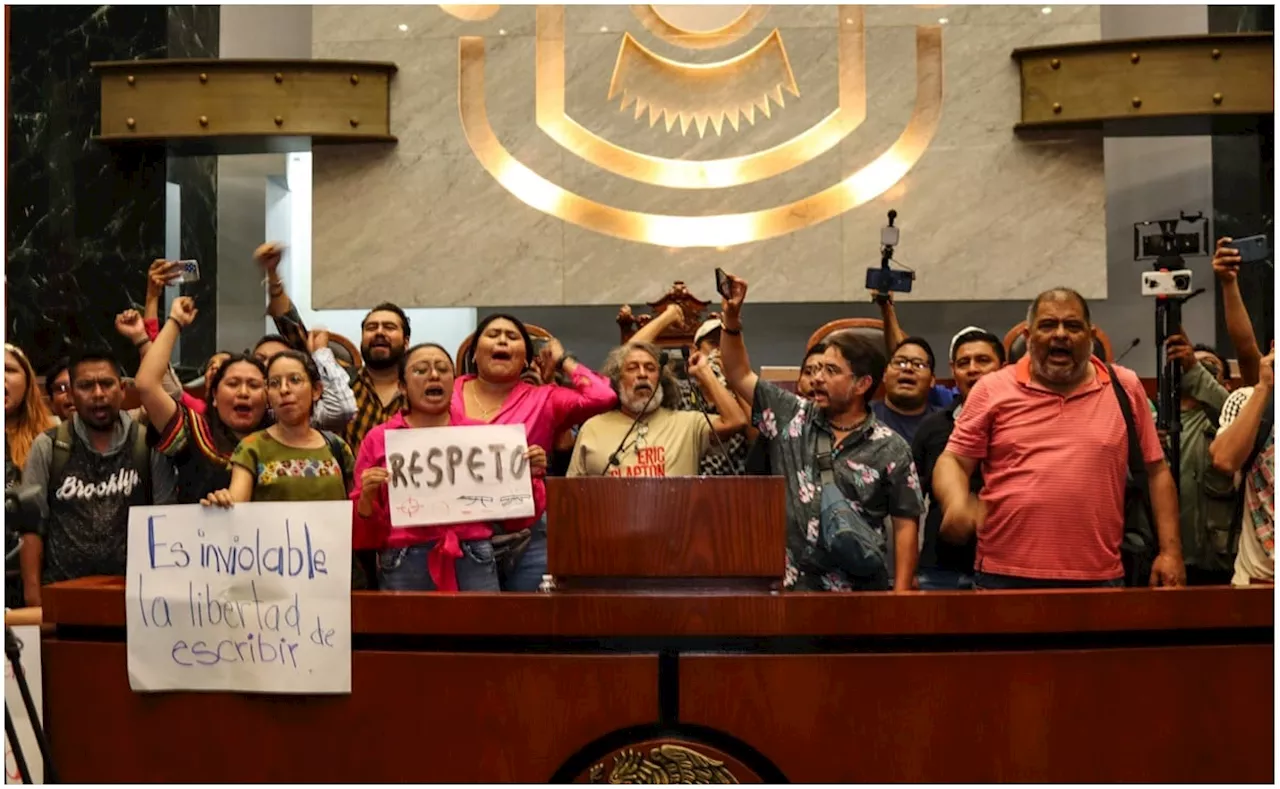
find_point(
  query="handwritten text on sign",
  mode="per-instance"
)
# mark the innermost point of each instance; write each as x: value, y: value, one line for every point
x: 256, y: 598
x: 458, y: 474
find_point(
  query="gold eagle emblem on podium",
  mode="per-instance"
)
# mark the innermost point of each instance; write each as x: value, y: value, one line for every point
x: 665, y: 764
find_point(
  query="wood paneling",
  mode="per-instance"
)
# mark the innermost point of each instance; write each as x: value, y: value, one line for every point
x: 1144, y: 79
x: 686, y: 527
x: 1164, y: 715
x: 321, y: 101
x: 418, y: 717
x: 99, y: 602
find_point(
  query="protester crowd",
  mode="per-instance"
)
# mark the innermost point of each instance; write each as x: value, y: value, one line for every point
x: 1017, y: 477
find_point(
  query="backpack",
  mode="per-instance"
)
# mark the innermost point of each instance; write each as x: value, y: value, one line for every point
x: 336, y: 445
x: 63, y: 437
x: 1138, y: 547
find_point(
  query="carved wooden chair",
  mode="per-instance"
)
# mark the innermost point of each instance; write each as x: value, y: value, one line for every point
x: 346, y: 352
x: 676, y: 337
x: 1015, y: 344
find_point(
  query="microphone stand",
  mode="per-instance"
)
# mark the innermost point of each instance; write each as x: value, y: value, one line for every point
x: 724, y: 451
x: 613, y: 457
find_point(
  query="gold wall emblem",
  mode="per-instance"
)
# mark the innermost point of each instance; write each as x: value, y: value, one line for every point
x: 721, y: 230
x: 698, y: 93
x: 665, y: 764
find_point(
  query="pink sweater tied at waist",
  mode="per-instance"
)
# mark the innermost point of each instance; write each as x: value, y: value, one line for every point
x: 375, y: 532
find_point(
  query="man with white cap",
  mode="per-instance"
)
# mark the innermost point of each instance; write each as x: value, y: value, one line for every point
x: 975, y: 352
x: 728, y: 457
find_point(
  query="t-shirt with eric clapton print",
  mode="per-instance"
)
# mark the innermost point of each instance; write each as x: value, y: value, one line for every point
x: 284, y: 473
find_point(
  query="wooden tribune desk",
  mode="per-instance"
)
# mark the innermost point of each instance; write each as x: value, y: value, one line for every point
x: 707, y: 684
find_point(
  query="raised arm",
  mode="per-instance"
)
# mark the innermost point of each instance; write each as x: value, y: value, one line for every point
x: 733, y: 351
x: 1242, y: 421
x: 651, y: 331
x: 160, y: 406
x: 1226, y: 264
x: 337, y: 404
x: 591, y: 393
x: 893, y: 333
x: 729, y: 418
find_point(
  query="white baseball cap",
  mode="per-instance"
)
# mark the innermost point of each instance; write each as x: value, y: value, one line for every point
x: 705, y: 329
x: 951, y: 352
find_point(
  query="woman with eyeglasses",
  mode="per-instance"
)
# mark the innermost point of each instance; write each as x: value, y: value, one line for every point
x: 450, y: 557
x: 500, y: 351
x: 199, y: 442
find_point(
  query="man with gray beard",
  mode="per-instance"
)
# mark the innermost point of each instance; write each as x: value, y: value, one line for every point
x: 645, y: 436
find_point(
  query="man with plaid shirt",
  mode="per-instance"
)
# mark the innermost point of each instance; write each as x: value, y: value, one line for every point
x: 384, y: 337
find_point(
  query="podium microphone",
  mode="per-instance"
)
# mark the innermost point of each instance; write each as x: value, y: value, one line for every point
x: 622, y: 445
x: 1125, y: 352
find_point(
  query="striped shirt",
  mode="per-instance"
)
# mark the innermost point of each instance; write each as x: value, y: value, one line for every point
x: 1054, y: 469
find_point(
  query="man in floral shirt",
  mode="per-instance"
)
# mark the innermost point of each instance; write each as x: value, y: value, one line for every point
x: 871, y: 464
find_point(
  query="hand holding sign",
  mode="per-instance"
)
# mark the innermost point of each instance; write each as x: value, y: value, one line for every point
x: 459, y: 474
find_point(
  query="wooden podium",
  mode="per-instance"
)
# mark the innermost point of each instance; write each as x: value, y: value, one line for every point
x: 640, y: 668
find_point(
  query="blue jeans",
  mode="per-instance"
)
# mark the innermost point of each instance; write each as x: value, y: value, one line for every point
x: 405, y: 569
x: 526, y: 576
x: 933, y: 579
x: 991, y: 581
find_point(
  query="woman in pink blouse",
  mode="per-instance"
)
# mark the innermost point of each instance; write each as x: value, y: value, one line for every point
x: 451, y: 557
x: 499, y: 352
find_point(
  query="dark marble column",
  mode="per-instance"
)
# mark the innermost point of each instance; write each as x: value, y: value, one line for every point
x: 193, y: 33
x: 84, y: 220
x: 1244, y: 186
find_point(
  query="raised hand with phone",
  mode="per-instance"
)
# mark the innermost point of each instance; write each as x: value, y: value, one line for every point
x: 1226, y: 266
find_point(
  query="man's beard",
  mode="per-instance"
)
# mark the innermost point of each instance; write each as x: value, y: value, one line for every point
x: 393, y: 357
x: 641, y: 402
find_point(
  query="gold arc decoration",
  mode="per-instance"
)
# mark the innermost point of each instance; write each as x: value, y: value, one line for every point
x: 826, y: 134
x: 665, y: 764
x: 693, y: 93
x: 684, y: 232
x: 693, y: 39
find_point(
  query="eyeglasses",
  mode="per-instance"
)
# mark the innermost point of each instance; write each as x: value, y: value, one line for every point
x: 294, y: 379
x: 906, y: 364
x: 61, y: 388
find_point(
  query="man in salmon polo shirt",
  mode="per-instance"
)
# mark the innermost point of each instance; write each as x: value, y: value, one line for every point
x: 1051, y: 440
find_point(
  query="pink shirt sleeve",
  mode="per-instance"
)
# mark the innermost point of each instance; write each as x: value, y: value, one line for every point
x: 972, y: 434
x: 591, y: 395
x: 371, y: 532
x: 152, y: 326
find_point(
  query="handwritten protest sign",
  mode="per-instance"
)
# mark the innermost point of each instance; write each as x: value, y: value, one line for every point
x: 29, y: 640
x: 256, y: 598
x: 458, y: 474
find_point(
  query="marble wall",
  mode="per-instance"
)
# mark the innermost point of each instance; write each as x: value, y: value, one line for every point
x: 83, y: 221
x: 984, y: 215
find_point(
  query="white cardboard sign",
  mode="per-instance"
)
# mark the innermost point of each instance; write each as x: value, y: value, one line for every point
x: 458, y: 474
x: 256, y: 598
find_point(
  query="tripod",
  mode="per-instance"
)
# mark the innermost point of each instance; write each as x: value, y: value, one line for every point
x: 1169, y: 371
x: 12, y: 651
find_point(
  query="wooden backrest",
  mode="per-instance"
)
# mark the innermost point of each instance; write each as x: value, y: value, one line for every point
x: 346, y: 352
x: 871, y: 328
x: 1015, y: 344
x: 536, y: 333
x: 678, y: 336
